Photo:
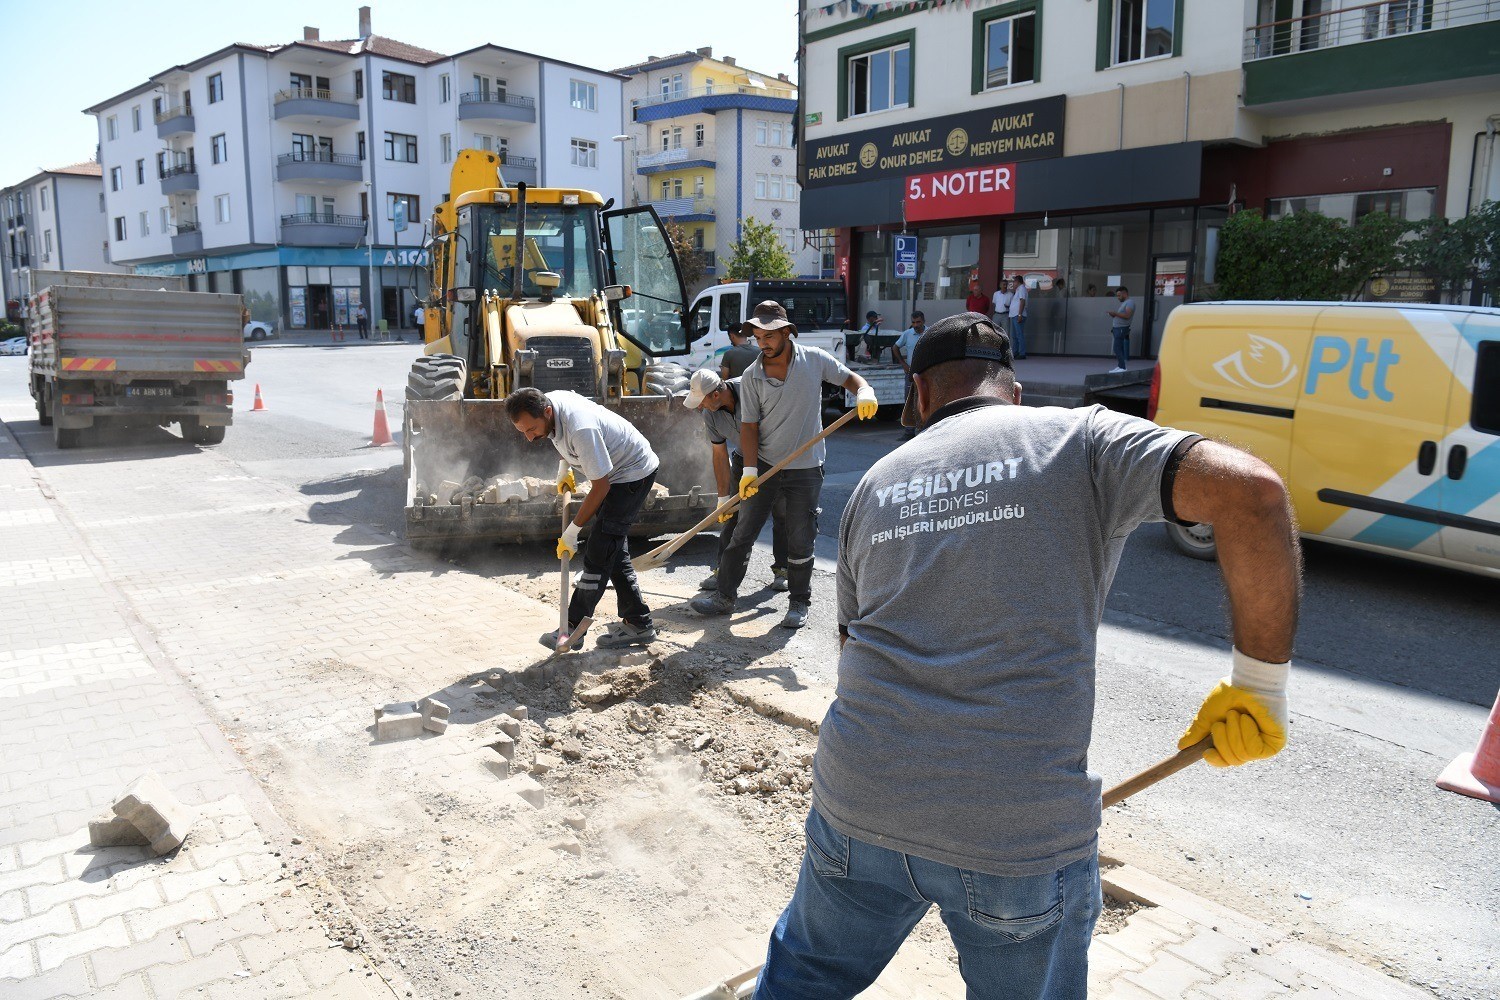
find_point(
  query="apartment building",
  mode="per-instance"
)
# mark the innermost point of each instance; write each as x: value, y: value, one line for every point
x: 301, y: 175
x: 54, y: 220
x: 1110, y: 147
x: 711, y: 144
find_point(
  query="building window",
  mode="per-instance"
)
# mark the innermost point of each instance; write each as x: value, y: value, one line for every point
x: 762, y: 128
x: 1144, y: 29
x: 1411, y: 204
x: 445, y: 88
x: 47, y: 236
x: 400, y: 147
x: 677, y: 187
x: 164, y: 218
x: 119, y: 229
x: 216, y: 88
x: 699, y: 185
x: 671, y: 85
x: 1008, y: 53
x: 698, y: 134
x: 111, y: 128
x: 44, y: 197
x: 412, y: 202
x: 775, y: 192
x: 140, y: 173
x: 698, y: 238
x: 877, y: 76
x: 221, y: 208
x: 583, y: 96
x: 585, y: 153
x: 398, y: 87
x: 220, y: 148
x: 359, y: 140
x: 666, y: 190
x: 1020, y: 241
x: 135, y: 118
x: 101, y: 201
x: 115, y: 180
x: 359, y: 84
x: 776, y: 134
x: 760, y: 186
x: 445, y: 147
x: 145, y: 223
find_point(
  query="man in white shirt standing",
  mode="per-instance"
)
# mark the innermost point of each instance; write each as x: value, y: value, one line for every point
x: 1020, y: 308
x: 1000, y: 304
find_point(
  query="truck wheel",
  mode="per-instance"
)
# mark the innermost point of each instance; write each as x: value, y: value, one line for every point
x: 64, y: 437
x: 1196, y: 541
x: 198, y: 433
x: 44, y: 405
x: 437, y: 377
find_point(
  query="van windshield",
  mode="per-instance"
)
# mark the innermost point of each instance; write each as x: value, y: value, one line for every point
x: 809, y: 310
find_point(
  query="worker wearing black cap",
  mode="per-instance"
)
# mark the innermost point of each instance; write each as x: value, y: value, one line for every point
x: 952, y: 765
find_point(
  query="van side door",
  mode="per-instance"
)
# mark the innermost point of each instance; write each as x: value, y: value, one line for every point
x: 1469, y: 457
x: 1372, y: 414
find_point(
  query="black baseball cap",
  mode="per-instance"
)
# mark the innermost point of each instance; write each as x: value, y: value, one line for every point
x: 955, y: 338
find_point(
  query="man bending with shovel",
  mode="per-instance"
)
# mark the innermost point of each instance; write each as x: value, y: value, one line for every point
x: 620, y: 466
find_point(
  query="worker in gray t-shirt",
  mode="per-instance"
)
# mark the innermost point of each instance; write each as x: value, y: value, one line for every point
x: 741, y: 354
x: 781, y: 408
x: 620, y: 466
x: 952, y: 766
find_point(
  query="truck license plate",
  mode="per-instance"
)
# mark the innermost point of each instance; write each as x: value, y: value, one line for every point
x: 147, y: 390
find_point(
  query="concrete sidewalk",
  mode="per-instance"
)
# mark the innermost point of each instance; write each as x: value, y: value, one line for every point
x: 89, y: 704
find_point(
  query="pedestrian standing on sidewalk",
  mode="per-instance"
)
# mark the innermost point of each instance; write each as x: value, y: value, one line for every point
x: 977, y: 302
x: 741, y: 354
x: 1020, y: 310
x: 362, y: 320
x: 905, y: 344
x: 781, y: 408
x: 1119, y: 329
x: 950, y: 766
x: 1000, y: 304
x: 718, y: 400
x: 620, y: 466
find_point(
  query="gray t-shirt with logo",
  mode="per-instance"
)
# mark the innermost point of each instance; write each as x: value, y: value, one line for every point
x: 790, y: 412
x: 723, y: 426
x: 597, y: 441
x: 973, y: 568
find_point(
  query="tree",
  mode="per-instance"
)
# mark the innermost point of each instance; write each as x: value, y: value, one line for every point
x: 758, y: 253
x: 1443, y: 250
x: 689, y: 257
x: 1305, y: 256
x: 1484, y: 232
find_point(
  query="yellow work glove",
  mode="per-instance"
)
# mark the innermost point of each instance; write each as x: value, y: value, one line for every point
x: 750, y: 475
x: 1246, y: 713
x: 567, y: 545
x: 566, y: 483
x: 728, y: 515
x: 864, y: 403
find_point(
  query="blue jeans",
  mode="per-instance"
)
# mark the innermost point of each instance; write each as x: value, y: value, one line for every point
x: 1018, y: 336
x: 1122, y: 345
x: 1017, y: 938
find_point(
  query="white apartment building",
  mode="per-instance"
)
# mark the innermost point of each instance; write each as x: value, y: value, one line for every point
x: 281, y: 172
x: 53, y: 221
x: 711, y: 143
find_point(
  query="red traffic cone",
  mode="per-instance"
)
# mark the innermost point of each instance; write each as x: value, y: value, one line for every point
x: 1477, y: 774
x: 382, y: 433
x: 260, y: 404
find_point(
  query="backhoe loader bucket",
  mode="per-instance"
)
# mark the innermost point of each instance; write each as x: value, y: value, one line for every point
x: 466, y: 469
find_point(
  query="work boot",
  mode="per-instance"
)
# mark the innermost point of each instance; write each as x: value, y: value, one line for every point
x: 551, y: 639
x: 710, y: 582
x: 778, y: 579
x: 625, y: 634
x: 796, y: 615
x: 713, y: 603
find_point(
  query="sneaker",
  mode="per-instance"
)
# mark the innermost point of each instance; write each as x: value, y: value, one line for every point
x: 1116, y: 371
x: 796, y: 615
x: 779, y: 580
x: 712, y: 604
x: 710, y: 582
x: 625, y: 634
x: 551, y: 639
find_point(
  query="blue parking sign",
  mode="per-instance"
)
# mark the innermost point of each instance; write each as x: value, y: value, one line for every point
x: 906, y: 256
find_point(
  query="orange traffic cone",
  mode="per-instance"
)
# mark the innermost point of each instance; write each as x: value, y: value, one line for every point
x: 382, y: 433
x: 260, y: 404
x: 1477, y: 774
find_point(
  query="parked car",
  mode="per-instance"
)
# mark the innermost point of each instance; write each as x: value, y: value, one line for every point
x: 258, y: 330
x: 13, y: 345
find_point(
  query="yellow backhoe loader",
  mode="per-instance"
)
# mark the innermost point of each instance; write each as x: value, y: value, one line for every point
x: 542, y: 287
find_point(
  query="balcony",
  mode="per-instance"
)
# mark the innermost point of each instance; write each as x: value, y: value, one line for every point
x: 1402, y: 49
x: 315, y: 103
x: 685, y: 209
x: 187, y: 240
x: 484, y: 106
x: 174, y: 121
x: 319, y: 165
x: 518, y: 169
x: 181, y: 177
x: 716, y: 97
x: 321, y: 229
x: 682, y: 158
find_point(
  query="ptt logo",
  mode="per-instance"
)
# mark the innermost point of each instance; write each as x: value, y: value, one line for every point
x: 1268, y: 366
x: 1367, y: 370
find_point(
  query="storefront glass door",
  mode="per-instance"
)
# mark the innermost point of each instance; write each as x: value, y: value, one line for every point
x: 1171, y: 277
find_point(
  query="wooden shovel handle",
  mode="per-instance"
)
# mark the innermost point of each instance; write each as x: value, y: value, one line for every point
x: 1156, y: 772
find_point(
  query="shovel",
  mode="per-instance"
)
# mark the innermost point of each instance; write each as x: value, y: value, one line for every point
x: 562, y: 613
x: 657, y: 557
x: 1156, y: 772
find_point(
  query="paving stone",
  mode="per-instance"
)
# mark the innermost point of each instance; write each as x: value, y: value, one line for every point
x: 527, y: 788
x: 156, y: 813
x: 109, y: 830
x: 520, y: 712
x: 1169, y: 976
x: 63, y: 979
x: 186, y: 977
x: 53, y: 951
x: 92, y: 910
x: 16, y: 962
x: 1207, y: 950
x: 399, y: 721
x: 510, y: 727
x: 114, y: 964
x: 147, y: 924
x: 504, y: 746
x: 58, y: 920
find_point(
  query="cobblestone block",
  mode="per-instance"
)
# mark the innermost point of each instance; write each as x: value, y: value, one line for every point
x: 1207, y: 949
x: 285, y: 980
x: 147, y: 924
x: 519, y: 712
x: 112, y: 965
x: 58, y: 920
x: 528, y: 790
x: 109, y: 830
x: 504, y: 746
x: 92, y: 910
x: 398, y: 721
x: 186, y: 977
x: 52, y: 952
x: 156, y: 813
x: 1245, y: 984
x: 1169, y: 976
x: 16, y: 962
x: 544, y: 763
x: 133, y: 988
x: 65, y: 979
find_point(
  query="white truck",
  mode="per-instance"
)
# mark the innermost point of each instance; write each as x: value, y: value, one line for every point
x: 132, y: 349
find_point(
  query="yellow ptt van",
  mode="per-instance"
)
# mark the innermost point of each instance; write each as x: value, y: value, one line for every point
x: 1384, y: 420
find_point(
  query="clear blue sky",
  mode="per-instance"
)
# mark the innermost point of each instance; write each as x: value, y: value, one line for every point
x: 66, y: 55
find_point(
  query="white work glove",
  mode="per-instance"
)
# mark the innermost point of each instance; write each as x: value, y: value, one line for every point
x: 864, y: 403
x: 567, y: 545
x: 1246, y: 713
x: 750, y: 475
x: 724, y: 518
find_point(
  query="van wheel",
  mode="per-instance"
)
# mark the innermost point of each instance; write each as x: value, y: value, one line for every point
x: 1196, y: 541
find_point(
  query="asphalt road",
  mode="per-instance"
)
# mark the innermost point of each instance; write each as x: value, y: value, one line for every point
x: 1342, y: 836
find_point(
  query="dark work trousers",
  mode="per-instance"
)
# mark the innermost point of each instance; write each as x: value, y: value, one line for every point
x: 606, y: 556
x: 799, y: 490
x: 778, y: 520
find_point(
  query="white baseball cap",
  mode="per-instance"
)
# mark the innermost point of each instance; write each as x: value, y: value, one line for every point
x: 705, y: 382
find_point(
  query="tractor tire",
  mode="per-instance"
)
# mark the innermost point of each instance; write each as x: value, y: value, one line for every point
x: 438, y: 377
x: 197, y: 433
x: 1196, y: 541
